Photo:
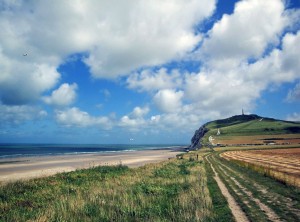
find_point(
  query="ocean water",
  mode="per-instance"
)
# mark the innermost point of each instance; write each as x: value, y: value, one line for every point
x: 23, y: 150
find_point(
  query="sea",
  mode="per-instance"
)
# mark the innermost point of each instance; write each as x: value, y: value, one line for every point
x: 31, y: 150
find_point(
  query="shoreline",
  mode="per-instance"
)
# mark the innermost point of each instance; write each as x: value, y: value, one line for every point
x: 23, y: 168
x: 76, y: 149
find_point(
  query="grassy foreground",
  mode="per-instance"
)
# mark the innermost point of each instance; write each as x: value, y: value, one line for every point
x: 174, y: 190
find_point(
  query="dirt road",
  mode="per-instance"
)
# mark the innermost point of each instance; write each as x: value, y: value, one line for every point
x: 253, y: 197
x: 235, y: 208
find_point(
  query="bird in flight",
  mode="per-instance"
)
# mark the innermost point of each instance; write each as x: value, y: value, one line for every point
x: 25, y: 54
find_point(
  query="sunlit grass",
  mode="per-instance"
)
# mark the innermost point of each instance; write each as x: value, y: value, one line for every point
x: 174, y: 190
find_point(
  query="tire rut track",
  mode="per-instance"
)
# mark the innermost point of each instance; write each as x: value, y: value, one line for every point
x: 267, y: 210
x: 235, y: 208
x: 260, y: 200
x: 270, y: 196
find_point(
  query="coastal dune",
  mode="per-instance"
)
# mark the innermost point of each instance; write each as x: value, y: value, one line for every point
x: 23, y: 168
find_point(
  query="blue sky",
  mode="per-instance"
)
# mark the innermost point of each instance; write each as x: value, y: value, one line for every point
x: 143, y: 71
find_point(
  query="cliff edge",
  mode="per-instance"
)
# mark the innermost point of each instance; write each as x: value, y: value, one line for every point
x: 196, y: 139
x: 241, y: 125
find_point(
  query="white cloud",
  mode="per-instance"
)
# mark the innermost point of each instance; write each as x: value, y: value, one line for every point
x: 21, y: 83
x: 139, y: 112
x: 290, y: 52
x: 148, y: 80
x: 280, y: 66
x: 14, y: 115
x: 225, y: 93
x: 184, y: 121
x: 63, y: 96
x: 122, y: 38
x: 227, y: 82
x: 294, y: 94
x: 235, y: 87
x: 135, y: 120
x: 75, y: 117
x: 168, y: 100
x: 117, y: 37
x: 246, y: 33
x: 106, y: 93
x: 131, y: 123
x: 293, y: 117
x: 144, y: 33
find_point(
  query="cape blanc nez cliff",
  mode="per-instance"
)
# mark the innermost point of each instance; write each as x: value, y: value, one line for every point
x: 196, y: 140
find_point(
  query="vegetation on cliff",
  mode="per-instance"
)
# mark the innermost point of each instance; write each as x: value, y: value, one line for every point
x: 242, y: 125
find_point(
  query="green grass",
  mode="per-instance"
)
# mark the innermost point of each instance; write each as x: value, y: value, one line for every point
x: 222, y: 213
x: 256, y: 127
x: 175, y: 190
x: 250, y: 125
x: 251, y: 209
x: 281, y: 198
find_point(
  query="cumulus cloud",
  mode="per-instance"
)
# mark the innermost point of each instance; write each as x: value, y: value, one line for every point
x: 241, y: 56
x: 106, y: 93
x: 75, y: 117
x: 280, y: 65
x: 184, y: 121
x: 148, y: 80
x: 144, y: 33
x: 14, y: 115
x: 139, y: 112
x: 294, y: 94
x: 21, y: 83
x: 227, y: 81
x: 131, y: 123
x: 63, y: 96
x: 293, y: 117
x: 168, y: 100
x: 135, y: 120
x: 246, y: 33
x: 117, y: 37
x: 227, y: 91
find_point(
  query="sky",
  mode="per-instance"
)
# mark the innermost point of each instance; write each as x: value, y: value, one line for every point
x: 139, y: 71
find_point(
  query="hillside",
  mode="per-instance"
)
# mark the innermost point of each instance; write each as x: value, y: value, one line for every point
x: 252, y: 128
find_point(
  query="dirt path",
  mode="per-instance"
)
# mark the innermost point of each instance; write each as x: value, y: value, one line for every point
x: 236, y: 210
x: 266, y: 193
x: 268, y: 211
x: 259, y: 197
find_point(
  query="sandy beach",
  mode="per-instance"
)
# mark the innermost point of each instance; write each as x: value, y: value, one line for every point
x: 14, y: 169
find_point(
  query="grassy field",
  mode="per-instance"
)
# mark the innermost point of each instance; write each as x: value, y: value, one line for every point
x: 174, y: 190
x: 249, y: 125
x: 260, y: 197
x: 281, y: 164
x: 182, y: 189
x: 255, y: 162
x: 253, y: 125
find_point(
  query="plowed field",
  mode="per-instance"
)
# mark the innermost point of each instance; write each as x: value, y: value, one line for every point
x: 281, y: 164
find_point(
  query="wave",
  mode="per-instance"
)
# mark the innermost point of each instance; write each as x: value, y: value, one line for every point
x: 31, y: 150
